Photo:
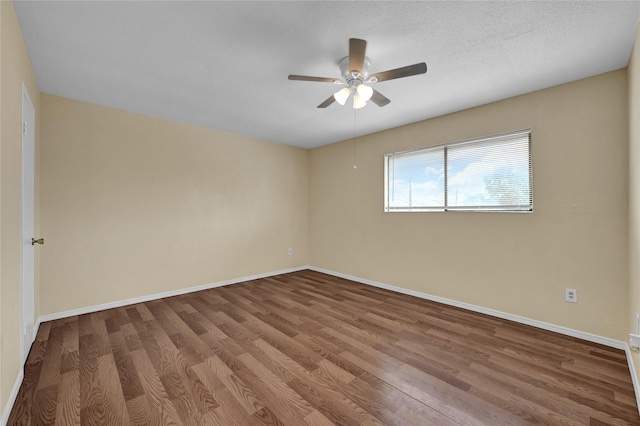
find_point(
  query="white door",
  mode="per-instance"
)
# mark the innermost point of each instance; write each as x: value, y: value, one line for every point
x: 28, y: 258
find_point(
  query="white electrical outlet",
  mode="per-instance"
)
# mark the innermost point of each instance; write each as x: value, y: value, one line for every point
x: 571, y: 295
x: 290, y: 252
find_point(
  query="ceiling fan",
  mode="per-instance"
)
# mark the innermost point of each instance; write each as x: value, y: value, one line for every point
x: 355, y: 75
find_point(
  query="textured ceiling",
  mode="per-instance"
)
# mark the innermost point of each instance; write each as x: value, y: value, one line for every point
x: 224, y: 65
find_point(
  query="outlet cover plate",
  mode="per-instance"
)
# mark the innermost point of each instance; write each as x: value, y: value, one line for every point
x: 571, y: 295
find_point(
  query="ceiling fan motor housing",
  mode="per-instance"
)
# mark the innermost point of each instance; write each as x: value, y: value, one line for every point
x: 353, y: 79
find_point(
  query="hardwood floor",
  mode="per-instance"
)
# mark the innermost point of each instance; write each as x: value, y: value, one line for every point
x: 311, y: 349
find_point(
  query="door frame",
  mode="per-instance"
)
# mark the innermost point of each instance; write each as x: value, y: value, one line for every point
x: 27, y: 275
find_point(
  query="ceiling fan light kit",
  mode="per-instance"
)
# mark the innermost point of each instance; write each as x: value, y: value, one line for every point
x: 342, y: 95
x: 365, y: 92
x: 355, y: 73
x: 358, y: 102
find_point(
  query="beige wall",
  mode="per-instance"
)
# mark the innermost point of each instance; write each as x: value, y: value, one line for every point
x: 517, y: 263
x: 634, y: 191
x: 134, y: 205
x: 15, y: 67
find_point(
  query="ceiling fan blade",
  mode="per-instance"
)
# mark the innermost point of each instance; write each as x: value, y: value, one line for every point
x: 379, y: 99
x: 327, y: 102
x: 318, y: 79
x: 357, y: 48
x: 407, y: 71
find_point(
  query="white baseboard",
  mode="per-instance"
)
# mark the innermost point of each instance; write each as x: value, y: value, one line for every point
x: 120, y: 303
x: 12, y: 398
x: 618, y: 344
x: 498, y: 314
x: 141, y: 299
x: 634, y: 377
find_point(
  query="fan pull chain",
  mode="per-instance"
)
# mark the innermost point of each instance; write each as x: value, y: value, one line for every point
x: 355, y: 167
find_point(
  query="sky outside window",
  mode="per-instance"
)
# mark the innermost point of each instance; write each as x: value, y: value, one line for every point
x: 488, y: 174
x: 491, y: 174
x: 417, y: 180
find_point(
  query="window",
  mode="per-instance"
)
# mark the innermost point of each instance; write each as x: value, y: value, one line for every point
x: 488, y: 174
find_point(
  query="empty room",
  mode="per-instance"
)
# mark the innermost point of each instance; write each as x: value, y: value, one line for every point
x: 319, y: 213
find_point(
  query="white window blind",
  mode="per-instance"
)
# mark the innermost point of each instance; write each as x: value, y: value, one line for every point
x: 417, y: 180
x: 492, y: 173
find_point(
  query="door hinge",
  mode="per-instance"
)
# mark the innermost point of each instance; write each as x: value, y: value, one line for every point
x: 24, y: 128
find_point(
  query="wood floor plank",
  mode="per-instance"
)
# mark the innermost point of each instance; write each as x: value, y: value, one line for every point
x: 307, y: 348
x: 52, y: 361
x: 45, y: 403
x: 243, y: 393
x: 204, y: 400
x: 406, y: 407
x: 92, y: 408
x: 359, y: 394
x: 129, y: 380
x: 284, y: 343
x: 114, y: 402
x: 315, y: 418
x: 326, y: 400
x: 162, y: 410
x: 23, y: 406
x: 139, y: 411
x: 68, y: 405
x: 237, y: 402
x: 284, y: 402
x: 103, y: 345
x: 42, y: 334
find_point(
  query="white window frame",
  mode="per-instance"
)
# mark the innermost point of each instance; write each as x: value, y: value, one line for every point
x: 501, y: 138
